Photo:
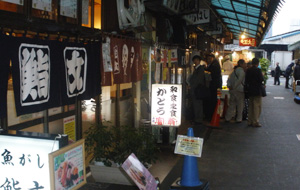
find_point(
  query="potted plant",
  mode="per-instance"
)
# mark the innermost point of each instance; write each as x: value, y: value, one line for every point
x: 111, y: 146
x: 264, y: 64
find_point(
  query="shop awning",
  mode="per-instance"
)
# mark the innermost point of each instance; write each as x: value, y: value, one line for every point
x: 249, y: 17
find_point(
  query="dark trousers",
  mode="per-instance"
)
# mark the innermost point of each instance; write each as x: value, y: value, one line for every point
x: 287, y: 78
x: 276, y: 80
x: 210, y: 104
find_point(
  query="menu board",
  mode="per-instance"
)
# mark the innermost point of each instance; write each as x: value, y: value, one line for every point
x: 44, y: 5
x: 68, y: 8
x: 67, y: 167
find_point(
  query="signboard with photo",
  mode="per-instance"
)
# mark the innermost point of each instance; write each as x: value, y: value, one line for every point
x: 139, y: 174
x: 67, y: 167
x: 166, y: 105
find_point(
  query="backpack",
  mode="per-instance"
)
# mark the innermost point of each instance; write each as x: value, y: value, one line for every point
x: 231, y: 80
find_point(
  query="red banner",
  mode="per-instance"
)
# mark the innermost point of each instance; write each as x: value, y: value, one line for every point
x: 248, y: 42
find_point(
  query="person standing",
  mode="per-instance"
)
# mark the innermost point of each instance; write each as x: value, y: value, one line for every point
x: 253, y: 84
x: 197, y: 78
x: 236, y: 91
x: 277, y: 74
x: 288, y: 73
x: 227, y: 66
x: 214, y: 68
x: 297, y: 71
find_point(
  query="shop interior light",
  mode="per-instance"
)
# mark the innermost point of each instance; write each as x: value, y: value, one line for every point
x: 243, y: 36
x: 217, y: 53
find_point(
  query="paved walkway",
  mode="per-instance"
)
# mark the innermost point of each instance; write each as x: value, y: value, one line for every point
x: 238, y: 157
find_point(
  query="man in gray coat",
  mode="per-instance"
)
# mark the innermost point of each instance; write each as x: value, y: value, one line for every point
x: 197, y: 78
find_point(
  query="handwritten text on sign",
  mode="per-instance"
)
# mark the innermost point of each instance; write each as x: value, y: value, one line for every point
x: 166, y: 104
x: 190, y: 146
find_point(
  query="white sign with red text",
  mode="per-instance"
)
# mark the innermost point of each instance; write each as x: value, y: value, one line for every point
x: 166, y: 104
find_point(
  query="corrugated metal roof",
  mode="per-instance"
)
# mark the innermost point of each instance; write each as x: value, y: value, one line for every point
x: 251, y: 17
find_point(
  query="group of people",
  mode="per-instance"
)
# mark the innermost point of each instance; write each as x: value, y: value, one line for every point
x: 293, y: 69
x: 207, y: 76
x: 245, y: 80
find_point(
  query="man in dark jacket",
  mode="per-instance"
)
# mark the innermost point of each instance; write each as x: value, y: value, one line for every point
x: 214, y: 68
x: 297, y: 71
x: 197, y: 78
x: 253, y: 84
x: 277, y: 74
x: 287, y: 74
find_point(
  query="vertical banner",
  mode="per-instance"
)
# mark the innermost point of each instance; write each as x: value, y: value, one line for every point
x: 70, y: 128
x: 4, y: 74
x: 35, y: 75
x: 126, y: 60
x: 166, y: 104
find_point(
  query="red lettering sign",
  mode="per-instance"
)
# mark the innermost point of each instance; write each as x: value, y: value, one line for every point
x: 248, y: 42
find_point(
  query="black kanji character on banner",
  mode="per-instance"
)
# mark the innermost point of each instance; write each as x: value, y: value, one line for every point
x: 36, y: 186
x: 7, y: 157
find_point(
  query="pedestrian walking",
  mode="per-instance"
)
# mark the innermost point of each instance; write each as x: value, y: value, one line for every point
x: 277, y: 74
x: 297, y: 71
x: 253, y: 86
x: 236, y: 90
x: 288, y: 72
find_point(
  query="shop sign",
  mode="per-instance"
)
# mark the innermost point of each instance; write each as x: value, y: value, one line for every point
x: 68, y: 8
x: 24, y: 162
x: 67, y: 167
x: 203, y: 16
x: 190, y: 146
x: 218, y: 31
x: 166, y: 105
x: 247, y: 42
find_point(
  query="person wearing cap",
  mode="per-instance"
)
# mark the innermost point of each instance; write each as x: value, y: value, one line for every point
x: 197, y: 78
x: 227, y: 66
x: 214, y: 68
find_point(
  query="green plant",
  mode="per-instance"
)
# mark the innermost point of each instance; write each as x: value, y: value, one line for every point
x: 114, y: 144
x: 264, y: 64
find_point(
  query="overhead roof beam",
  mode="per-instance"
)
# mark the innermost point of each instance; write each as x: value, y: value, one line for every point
x: 247, y: 4
x: 243, y: 21
x: 239, y: 26
x: 261, y: 18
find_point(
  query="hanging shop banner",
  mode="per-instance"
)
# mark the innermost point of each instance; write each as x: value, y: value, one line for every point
x: 172, y: 5
x: 4, y: 74
x: 67, y: 167
x: 18, y: 2
x: 81, y: 71
x: 49, y: 74
x: 139, y: 173
x: 190, y: 146
x: 106, y: 59
x: 25, y: 163
x: 44, y: 5
x: 203, y: 16
x: 126, y: 60
x: 166, y: 105
x: 247, y: 42
x: 35, y: 72
x: 68, y: 8
x: 136, y: 62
